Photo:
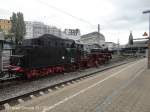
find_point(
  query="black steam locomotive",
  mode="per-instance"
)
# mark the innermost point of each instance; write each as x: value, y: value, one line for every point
x: 49, y: 54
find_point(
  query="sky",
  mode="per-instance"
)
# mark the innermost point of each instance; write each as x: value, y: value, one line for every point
x: 117, y: 18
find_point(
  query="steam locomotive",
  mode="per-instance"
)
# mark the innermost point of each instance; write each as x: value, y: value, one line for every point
x: 49, y: 54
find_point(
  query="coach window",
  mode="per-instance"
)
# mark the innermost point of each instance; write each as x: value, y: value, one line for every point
x: 67, y: 45
x: 55, y: 44
x: 38, y: 42
x: 62, y: 44
x: 79, y: 46
x: 49, y: 43
x: 41, y: 42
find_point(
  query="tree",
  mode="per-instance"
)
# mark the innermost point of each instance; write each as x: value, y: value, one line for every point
x: 9, y: 37
x: 130, y: 39
x: 13, y: 20
x: 1, y: 30
x: 18, y: 27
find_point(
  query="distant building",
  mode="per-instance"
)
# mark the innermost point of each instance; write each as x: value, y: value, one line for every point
x: 29, y: 29
x: 111, y: 46
x: 53, y: 30
x: 93, y: 38
x: 130, y: 39
x: 138, y: 44
x: 36, y: 29
x: 71, y: 34
x: 74, y: 32
x: 5, y: 25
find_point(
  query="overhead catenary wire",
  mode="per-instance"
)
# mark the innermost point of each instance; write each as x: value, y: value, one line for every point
x: 66, y: 13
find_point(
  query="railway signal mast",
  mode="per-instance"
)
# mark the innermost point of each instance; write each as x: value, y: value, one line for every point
x: 148, y: 12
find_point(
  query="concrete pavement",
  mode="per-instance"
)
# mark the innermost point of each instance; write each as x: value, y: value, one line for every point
x: 122, y: 89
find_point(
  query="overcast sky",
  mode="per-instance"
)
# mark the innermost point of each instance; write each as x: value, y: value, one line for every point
x: 116, y: 17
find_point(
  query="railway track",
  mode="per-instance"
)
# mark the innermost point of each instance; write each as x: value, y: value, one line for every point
x: 13, y: 80
x: 8, y: 81
x: 7, y: 103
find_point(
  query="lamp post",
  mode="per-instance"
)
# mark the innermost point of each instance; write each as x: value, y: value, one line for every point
x: 148, y: 12
x: 118, y: 41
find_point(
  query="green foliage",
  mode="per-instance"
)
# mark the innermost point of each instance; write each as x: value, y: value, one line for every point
x: 1, y: 30
x: 9, y: 37
x: 18, y: 27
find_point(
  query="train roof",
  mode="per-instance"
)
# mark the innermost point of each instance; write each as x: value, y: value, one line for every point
x: 49, y: 36
x: 46, y: 38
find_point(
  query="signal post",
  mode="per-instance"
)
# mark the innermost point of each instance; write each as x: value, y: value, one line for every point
x: 148, y: 12
x: 148, y: 54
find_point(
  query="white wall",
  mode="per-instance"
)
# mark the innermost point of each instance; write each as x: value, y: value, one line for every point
x: 36, y: 29
x: 93, y: 40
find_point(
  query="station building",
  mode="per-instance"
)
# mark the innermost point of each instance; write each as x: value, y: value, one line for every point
x: 93, y: 38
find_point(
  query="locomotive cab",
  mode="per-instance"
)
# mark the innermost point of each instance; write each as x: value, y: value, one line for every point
x: 16, y: 60
x: 16, y: 65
